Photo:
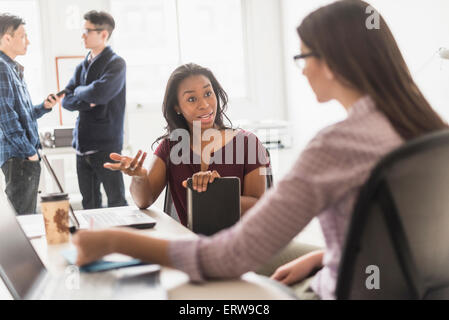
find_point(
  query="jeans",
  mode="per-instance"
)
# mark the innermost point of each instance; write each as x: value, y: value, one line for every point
x: 91, y: 174
x: 22, y: 182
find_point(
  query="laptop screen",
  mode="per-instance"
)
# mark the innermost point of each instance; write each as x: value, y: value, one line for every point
x: 56, y: 180
x: 20, y: 266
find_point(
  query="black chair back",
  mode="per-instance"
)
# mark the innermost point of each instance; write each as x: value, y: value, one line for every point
x: 169, y: 207
x: 397, y: 245
x: 269, y: 172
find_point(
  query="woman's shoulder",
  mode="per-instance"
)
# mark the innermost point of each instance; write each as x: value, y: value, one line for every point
x: 366, y: 124
x: 337, y: 134
x: 162, y: 147
x: 254, y: 152
x: 169, y: 151
x: 166, y: 142
x: 161, y: 142
x: 355, y: 138
x: 241, y: 133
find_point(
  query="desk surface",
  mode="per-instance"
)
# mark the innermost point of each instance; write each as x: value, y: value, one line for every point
x: 249, y: 286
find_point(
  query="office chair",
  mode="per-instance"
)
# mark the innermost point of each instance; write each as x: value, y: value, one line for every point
x: 269, y: 172
x: 400, y: 226
x: 169, y: 207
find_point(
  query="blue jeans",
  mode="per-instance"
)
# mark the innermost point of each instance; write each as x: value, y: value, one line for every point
x: 91, y: 174
x: 22, y: 182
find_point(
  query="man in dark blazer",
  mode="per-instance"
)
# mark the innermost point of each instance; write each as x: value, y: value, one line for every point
x: 97, y: 91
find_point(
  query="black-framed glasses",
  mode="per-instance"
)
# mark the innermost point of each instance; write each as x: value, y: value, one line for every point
x: 300, y: 59
x: 87, y: 30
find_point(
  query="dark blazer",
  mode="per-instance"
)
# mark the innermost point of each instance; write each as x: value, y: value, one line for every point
x: 102, y: 82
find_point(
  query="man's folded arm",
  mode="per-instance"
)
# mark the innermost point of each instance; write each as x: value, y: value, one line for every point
x: 104, y: 89
x: 70, y: 101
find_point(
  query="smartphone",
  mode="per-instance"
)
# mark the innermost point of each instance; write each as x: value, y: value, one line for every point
x: 60, y: 93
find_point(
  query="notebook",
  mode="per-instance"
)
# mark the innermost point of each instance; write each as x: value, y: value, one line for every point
x: 119, y: 218
x: 215, y: 209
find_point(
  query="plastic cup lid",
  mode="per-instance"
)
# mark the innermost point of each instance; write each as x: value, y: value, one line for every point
x: 54, y: 197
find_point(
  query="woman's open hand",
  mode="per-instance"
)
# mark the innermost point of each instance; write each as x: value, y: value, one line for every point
x: 130, y: 166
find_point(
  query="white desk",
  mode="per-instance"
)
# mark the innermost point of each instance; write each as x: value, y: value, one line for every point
x: 249, y: 286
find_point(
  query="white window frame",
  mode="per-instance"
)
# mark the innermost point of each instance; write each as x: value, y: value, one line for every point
x: 36, y: 97
x: 241, y: 101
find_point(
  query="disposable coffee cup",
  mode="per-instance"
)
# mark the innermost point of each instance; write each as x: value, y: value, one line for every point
x: 55, y: 210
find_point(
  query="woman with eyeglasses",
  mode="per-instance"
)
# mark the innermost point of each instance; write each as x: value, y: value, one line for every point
x: 363, y: 70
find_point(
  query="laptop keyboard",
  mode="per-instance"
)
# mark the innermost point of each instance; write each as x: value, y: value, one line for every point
x: 87, y: 287
x: 106, y: 219
x: 106, y: 285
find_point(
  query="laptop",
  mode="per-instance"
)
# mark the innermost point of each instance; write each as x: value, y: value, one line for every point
x: 120, y: 218
x: 26, y: 277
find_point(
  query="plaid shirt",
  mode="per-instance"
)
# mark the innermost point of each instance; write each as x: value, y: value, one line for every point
x: 19, y: 136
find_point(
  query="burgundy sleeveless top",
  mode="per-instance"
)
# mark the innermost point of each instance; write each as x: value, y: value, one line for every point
x: 243, y: 154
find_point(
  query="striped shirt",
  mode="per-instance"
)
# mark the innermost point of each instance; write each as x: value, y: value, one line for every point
x: 324, y: 182
x: 19, y: 135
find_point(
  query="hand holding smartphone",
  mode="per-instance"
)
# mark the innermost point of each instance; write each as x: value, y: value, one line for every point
x: 59, y: 94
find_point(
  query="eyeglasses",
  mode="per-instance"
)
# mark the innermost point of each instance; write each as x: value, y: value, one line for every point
x: 87, y: 30
x: 300, y: 59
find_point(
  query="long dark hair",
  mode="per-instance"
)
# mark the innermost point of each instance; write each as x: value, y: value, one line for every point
x: 369, y: 60
x: 175, y: 121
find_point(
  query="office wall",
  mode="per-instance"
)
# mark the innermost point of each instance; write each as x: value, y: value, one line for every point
x: 306, y: 115
x: 420, y: 28
x: 61, y: 36
x: 277, y: 89
x: 263, y: 41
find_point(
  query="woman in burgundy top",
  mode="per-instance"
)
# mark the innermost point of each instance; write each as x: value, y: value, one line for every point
x: 242, y: 141
x: 196, y: 145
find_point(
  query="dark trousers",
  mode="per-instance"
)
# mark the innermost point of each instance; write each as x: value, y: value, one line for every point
x: 91, y: 174
x: 22, y: 182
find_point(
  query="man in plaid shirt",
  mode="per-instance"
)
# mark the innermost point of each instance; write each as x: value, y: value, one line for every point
x: 19, y: 138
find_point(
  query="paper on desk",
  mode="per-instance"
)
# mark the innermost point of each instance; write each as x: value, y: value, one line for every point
x: 32, y: 225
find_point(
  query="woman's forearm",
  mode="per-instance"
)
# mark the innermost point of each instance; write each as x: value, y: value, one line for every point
x: 140, y: 246
x: 141, y: 192
x: 246, y: 203
x: 316, y: 258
